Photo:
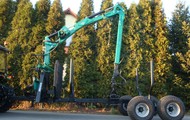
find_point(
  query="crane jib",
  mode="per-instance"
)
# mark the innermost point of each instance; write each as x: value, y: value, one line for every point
x: 65, y: 32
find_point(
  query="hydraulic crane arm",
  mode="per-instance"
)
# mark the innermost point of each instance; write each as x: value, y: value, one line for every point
x: 65, y: 32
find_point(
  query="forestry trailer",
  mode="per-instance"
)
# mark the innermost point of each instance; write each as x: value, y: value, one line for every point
x: 138, y: 108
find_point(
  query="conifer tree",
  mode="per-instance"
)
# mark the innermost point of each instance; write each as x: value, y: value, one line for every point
x: 132, y: 50
x: 146, y: 42
x: 162, y: 58
x: 36, y: 38
x: 178, y: 39
x: 18, y: 40
x: 105, y: 51
x: 42, y: 8
x: 178, y: 29
x: 56, y: 20
x: 7, y: 12
x: 83, y: 54
x: 55, y: 17
x: 184, y: 60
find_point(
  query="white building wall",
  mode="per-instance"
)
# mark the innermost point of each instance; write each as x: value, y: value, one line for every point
x: 69, y: 23
x: 70, y: 20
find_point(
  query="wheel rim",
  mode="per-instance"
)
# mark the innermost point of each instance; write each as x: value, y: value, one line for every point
x: 173, y: 109
x: 124, y: 106
x: 142, y: 110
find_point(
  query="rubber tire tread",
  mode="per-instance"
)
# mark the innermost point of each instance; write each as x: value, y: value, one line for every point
x: 5, y: 107
x: 155, y: 103
x: 164, y: 101
x: 134, y: 102
x: 8, y: 103
x: 123, y: 100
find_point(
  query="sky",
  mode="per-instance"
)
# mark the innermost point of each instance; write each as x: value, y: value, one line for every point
x: 168, y: 5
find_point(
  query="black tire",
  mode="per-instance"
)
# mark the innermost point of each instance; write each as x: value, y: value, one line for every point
x: 58, y: 72
x: 171, y: 108
x: 155, y: 103
x: 123, y: 103
x: 140, y: 108
x: 5, y: 99
x: 5, y: 105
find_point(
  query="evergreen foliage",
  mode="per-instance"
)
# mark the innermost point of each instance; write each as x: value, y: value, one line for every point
x: 55, y: 17
x: 162, y: 58
x: 132, y: 48
x: 7, y: 10
x: 146, y: 36
x: 18, y: 39
x: 40, y: 20
x: 35, y: 39
x: 179, y: 35
x: 184, y: 58
x: 146, y: 42
x: 178, y: 39
x: 83, y: 53
x: 105, y: 52
x: 56, y: 20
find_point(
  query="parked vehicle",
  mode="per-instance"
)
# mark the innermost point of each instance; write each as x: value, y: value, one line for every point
x: 138, y: 107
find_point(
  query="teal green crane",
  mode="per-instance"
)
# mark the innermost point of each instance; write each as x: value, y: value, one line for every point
x: 64, y: 33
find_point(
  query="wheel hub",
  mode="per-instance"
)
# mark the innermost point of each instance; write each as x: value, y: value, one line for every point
x: 170, y: 109
x: 173, y: 109
x: 142, y: 110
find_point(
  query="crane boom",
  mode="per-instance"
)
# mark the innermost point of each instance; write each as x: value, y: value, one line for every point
x: 64, y: 33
